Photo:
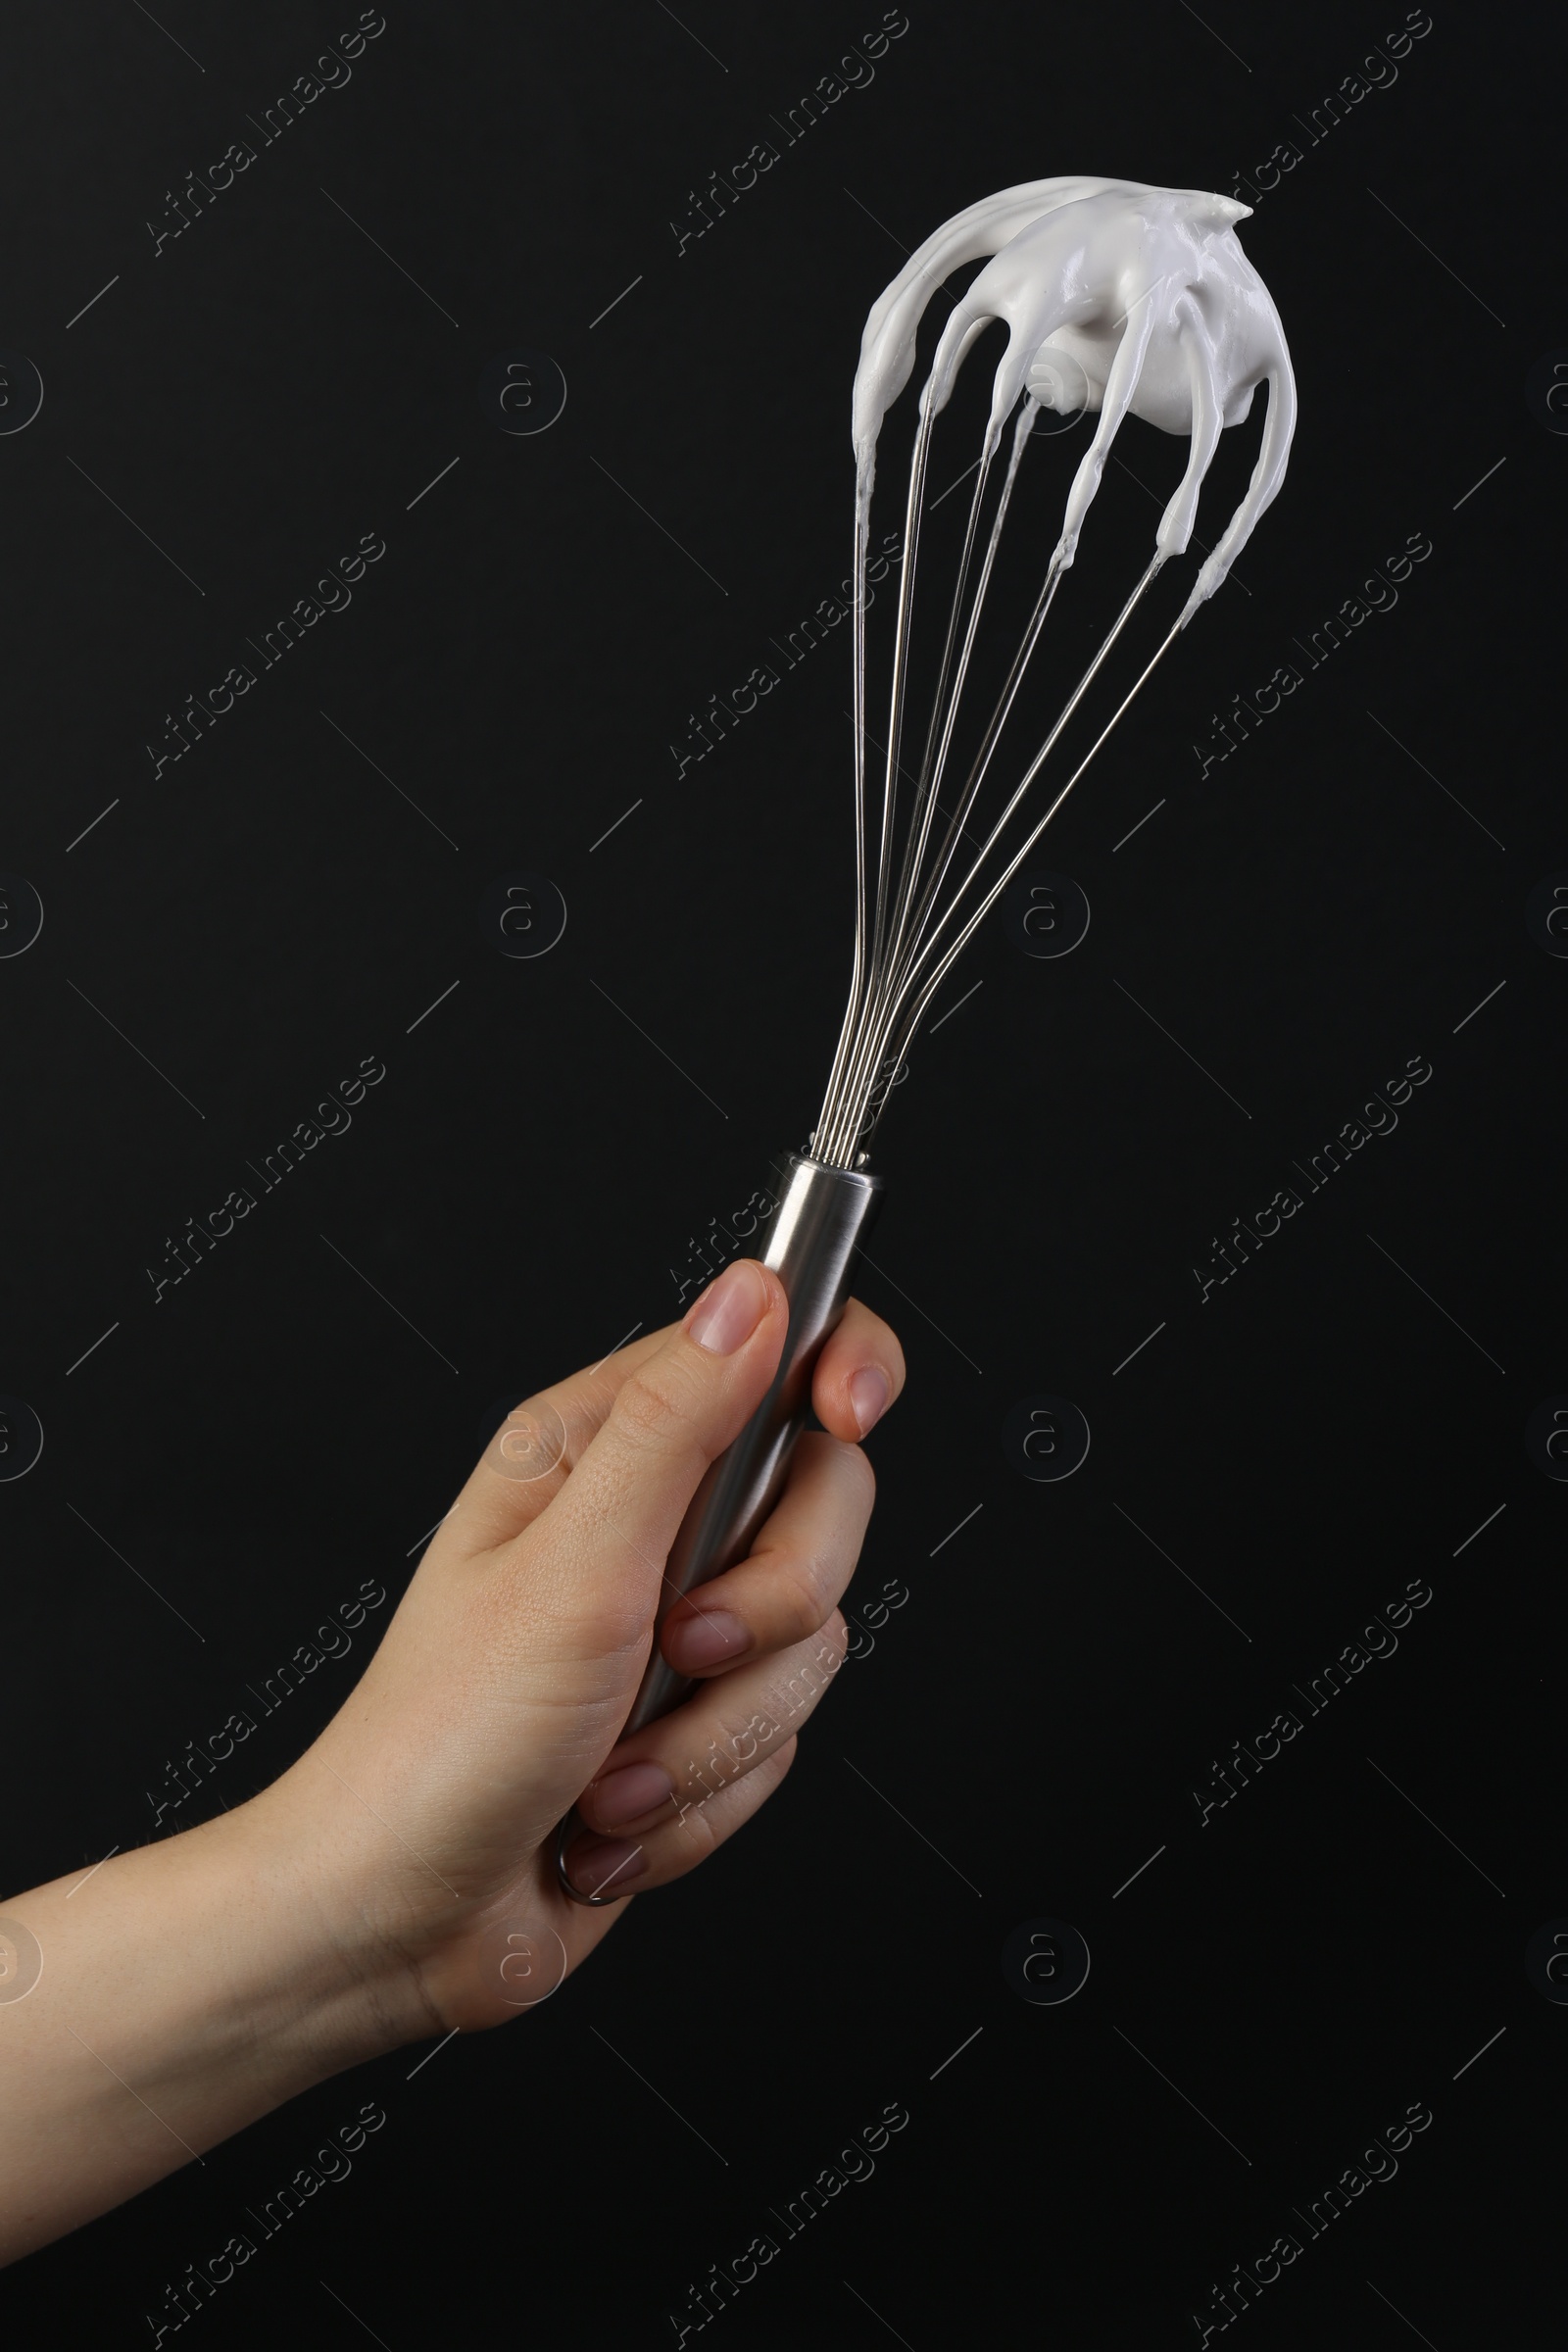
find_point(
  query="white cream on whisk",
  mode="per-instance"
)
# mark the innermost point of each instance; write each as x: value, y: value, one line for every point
x: 1144, y: 290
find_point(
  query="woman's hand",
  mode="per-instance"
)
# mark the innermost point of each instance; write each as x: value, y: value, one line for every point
x: 496, y: 1698
x: 399, y: 1881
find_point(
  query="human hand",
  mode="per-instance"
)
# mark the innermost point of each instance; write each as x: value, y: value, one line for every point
x: 400, y: 1880
x: 429, y: 1804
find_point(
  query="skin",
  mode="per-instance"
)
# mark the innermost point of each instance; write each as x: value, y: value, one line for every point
x: 398, y: 1882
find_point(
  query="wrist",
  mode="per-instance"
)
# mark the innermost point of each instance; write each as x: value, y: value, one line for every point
x: 335, y: 1987
x: 228, y: 1966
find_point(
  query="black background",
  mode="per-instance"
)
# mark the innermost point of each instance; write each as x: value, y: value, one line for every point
x: 1303, y: 918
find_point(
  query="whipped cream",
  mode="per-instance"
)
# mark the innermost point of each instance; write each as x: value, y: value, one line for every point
x: 1117, y: 296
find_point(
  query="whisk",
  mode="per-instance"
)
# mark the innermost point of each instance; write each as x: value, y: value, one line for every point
x: 1117, y: 296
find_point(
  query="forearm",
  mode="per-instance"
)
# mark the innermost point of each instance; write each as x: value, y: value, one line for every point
x: 185, y: 1989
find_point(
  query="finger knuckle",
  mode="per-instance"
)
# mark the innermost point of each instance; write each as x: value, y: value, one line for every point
x: 857, y: 1470
x: 699, y: 1833
x: 805, y: 1672
x: 800, y: 1596
x: 650, y: 1416
x: 833, y: 1641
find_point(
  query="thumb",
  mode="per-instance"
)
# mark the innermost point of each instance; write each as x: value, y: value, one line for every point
x: 616, y: 1516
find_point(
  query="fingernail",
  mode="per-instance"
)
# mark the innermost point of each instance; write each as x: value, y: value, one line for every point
x: 627, y: 1795
x: 729, y: 1310
x: 706, y: 1641
x: 604, y: 1865
x: 870, y: 1392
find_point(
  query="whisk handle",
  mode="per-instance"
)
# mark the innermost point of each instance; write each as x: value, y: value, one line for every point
x: 822, y: 1219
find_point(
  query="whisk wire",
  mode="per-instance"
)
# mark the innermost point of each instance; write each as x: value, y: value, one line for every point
x: 926, y: 782
x: 855, y: 1071
x: 863, y: 915
x: 877, y: 1063
x: 928, y: 990
x: 988, y: 744
x: 893, y: 986
x: 1039, y: 759
x: 944, y: 708
x: 901, y: 654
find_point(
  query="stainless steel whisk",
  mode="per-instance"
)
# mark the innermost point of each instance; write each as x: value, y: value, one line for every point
x: 1118, y: 297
